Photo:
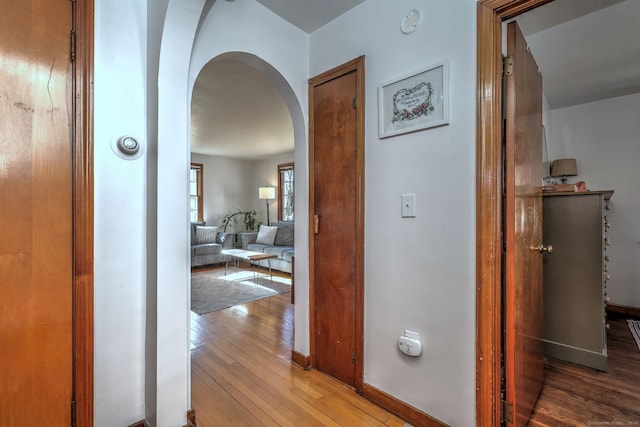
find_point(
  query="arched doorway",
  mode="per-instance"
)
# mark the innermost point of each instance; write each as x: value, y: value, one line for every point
x: 169, y: 303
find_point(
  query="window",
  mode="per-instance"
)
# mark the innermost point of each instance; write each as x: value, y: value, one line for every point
x: 285, y: 192
x: 195, y: 190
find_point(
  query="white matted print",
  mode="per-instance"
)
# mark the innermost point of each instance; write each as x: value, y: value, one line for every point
x: 415, y: 101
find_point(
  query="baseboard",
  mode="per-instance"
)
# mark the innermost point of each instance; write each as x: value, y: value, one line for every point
x: 300, y: 360
x: 191, y: 418
x: 623, y: 309
x: 399, y: 408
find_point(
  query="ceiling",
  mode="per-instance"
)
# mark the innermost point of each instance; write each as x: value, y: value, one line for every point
x: 237, y: 112
x: 587, y: 50
x: 309, y: 15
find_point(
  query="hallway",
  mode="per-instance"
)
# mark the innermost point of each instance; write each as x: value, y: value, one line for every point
x: 242, y: 374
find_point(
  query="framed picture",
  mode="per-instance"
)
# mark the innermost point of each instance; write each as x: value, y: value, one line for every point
x: 416, y: 101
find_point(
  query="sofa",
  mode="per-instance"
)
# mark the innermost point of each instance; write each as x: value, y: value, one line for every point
x: 207, y: 243
x: 280, y: 245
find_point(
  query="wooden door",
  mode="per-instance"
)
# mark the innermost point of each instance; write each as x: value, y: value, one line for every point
x: 336, y: 163
x: 35, y: 213
x: 524, y: 365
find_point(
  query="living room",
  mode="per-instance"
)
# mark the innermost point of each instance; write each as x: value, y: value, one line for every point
x: 241, y: 179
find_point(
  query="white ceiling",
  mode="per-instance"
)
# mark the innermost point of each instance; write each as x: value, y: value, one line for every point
x: 587, y: 50
x: 237, y: 112
x: 309, y: 15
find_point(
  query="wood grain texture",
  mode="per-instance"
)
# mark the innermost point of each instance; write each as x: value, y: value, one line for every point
x: 83, y: 233
x: 334, y: 246
x: 490, y: 14
x: 301, y: 360
x: 523, y: 348
x: 575, y: 395
x: 191, y: 418
x: 623, y: 309
x: 401, y: 409
x: 336, y: 194
x: 242, y: 375
x: 488, y: 217
x: 36, y: 185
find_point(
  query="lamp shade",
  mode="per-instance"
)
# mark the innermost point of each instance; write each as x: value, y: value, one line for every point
x: 564, y: 167
x: 266, y: 193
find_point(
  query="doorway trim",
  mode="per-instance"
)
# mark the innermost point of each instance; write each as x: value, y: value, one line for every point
x: 356, y: 65
x: 83, y: 255
x: 489, y: 219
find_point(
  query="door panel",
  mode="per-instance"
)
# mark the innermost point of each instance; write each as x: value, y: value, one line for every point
x: 335, y: 174
x: 35, y: 214
x: 524, y: 364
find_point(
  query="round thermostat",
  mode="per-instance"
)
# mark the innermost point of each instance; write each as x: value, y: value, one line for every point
x: 127, y: 147
x: 411, y: 21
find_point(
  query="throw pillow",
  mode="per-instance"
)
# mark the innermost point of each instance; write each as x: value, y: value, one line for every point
x: 206, y: 235
x: 285, y: 234
x: 193, y: 231
x: 266, y: 235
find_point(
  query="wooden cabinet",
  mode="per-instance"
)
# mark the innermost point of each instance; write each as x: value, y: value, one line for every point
x: 575, y: 277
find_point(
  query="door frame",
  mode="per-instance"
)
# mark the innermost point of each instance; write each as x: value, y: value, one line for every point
x: 356, y: 65
x: 489, y: 219
x: 83, y: 255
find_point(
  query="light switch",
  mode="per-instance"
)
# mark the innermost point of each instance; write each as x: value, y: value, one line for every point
x: 408, y: 205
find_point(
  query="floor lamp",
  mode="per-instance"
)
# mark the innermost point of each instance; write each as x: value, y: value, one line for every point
x: 267, y: 193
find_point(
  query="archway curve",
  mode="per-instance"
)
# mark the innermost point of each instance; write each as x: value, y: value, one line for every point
x: 283, y: 86
x: 168, y: 384
x: 280, y: 83
x: 293, y: 103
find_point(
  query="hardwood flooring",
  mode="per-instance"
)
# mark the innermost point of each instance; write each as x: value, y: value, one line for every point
x: 574, y: 395
x: 241, y: 374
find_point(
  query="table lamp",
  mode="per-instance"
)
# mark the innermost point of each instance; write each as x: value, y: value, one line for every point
x: 563, y: 168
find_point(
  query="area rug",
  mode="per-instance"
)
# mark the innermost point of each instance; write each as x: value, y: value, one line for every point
x: 634, y: 326
x: 213, y: 290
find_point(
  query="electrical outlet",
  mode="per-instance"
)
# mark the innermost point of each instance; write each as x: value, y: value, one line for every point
x: 411, y: 334
x: 410, y: 347
x: 410, y: 343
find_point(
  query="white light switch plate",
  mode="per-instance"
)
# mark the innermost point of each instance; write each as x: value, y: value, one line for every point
x: 408, y: 205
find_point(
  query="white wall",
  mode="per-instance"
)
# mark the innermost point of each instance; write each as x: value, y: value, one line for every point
x: 419, y: 272
x: 232, y: 184
x: 171, y: 252
x: 226, y: 187
x: 603, y: 138
x: 120, y: 213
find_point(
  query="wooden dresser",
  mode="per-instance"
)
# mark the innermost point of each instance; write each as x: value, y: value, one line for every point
x: 575, y: 276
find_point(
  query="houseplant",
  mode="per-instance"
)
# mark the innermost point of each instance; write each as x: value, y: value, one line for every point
x: 249, y: 219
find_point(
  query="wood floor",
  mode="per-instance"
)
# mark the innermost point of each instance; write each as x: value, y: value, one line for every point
x: 241, y: 374
x: 578, y: 396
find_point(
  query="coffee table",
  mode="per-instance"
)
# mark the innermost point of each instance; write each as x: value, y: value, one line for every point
x: 251, y: 257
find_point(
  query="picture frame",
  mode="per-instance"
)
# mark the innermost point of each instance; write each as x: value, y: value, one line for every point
x: 415, y: 101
